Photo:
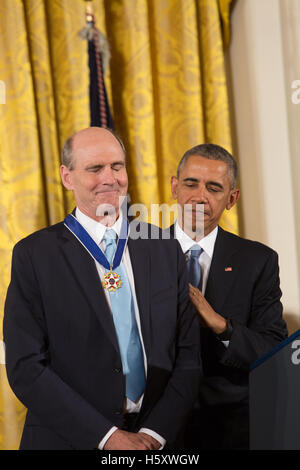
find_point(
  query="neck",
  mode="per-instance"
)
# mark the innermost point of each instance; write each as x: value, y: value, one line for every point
x: 108, y: 219
x: 195, y: 233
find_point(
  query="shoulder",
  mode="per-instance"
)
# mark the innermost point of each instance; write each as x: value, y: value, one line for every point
x: 41, y: 238
x: 150, y: 242
x: 244, y: 244
x: 251, y: 254
x: 153, y: 237
x: 149, y: 232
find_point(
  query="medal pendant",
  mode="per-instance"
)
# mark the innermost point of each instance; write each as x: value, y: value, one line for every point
x: 112, y: 281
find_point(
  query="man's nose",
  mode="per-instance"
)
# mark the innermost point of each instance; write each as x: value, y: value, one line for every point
x: 108, y: 176
x: 200, y: 195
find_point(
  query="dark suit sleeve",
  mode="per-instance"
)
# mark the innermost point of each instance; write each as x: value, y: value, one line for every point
x: 169, y: 413
x: 265, y: 327
x: 37, y: 386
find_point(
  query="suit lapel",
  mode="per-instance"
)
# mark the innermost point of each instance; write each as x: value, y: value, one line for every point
x: 140, y: 261
x: 86, y: 275
x: 222, y: 271
x: 172, y: 230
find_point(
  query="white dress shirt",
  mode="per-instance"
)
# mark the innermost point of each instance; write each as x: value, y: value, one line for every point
x: 207, y: 244
x: 96, y: 230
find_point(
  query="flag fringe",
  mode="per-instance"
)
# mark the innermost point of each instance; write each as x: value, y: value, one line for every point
x: 103, y: 46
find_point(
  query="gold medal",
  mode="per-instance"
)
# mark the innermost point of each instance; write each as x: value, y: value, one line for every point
x: 112, y: 281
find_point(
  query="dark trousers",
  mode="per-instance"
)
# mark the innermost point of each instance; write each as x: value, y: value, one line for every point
x: 129, y: 421
x: 223, y: 427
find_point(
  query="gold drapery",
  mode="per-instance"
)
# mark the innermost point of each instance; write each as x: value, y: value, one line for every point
x: 169, y: 93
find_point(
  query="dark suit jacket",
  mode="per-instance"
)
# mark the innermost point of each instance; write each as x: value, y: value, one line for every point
x: 249, y: 294
x: 62, y: 354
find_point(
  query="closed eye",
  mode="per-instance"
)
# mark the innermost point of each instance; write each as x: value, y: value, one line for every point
x: 214, y: 187
x: 117, y: 166
x: 94, y: 169
x: 190, y: 182
x: 114, y: 166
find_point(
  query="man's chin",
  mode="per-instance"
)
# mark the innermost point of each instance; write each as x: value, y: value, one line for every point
x: 107, y: 209
x: 194, y: 228
x: 194, y: 223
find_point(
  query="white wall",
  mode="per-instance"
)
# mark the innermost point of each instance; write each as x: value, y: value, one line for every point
x: 263, y: 59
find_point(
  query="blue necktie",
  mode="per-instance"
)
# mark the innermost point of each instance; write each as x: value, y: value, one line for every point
x: 194, y: 268
x: 126, y: 327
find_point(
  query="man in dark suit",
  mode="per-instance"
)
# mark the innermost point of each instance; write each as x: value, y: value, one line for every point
x: 234, y: 286
x: 111, y: 366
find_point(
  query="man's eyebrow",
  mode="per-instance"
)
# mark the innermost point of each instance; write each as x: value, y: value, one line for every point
x: 215, y: 183
x: 98, y: 165
x: 189, y: 179
x: 192, y: 180
x: 92, y: 167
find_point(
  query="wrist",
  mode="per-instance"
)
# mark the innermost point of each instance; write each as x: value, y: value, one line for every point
x: 226, y: 334
x: 220, y: 324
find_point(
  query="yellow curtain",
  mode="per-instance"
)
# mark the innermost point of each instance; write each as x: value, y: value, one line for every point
x: 169, y: 87
x: 168, y: 92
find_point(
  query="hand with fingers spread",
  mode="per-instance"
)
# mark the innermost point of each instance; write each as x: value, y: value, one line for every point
x: 208, y: 317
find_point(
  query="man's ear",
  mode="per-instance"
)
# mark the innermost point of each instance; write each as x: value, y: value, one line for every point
x: 174, y: 184
x: 234, y: 196
x: 65, y: 174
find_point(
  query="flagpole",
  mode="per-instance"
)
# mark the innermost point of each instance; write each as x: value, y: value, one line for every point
x: 99, y: 48
x: 89, y: 11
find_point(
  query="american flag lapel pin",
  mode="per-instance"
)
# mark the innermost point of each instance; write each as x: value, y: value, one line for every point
x: 228, y: 268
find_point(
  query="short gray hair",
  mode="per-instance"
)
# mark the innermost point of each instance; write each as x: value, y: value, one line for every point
x: 67, y: 150
x: 66, y: 153
x: 212, y: 152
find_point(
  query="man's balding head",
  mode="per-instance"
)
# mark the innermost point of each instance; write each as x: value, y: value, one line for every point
x: 83, y: 136
x: 94, y: 168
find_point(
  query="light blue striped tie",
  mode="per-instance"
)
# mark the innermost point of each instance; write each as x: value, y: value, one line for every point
x: 122, y: 306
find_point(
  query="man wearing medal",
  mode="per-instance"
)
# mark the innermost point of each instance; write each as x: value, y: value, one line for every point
x: 100, y: 347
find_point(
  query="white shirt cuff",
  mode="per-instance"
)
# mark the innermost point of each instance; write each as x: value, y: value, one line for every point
x: 151, y: 433
x: 106, y: 437
x: 156, y: 436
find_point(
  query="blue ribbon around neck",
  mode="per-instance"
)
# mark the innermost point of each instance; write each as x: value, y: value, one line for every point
x: 79, y: 231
